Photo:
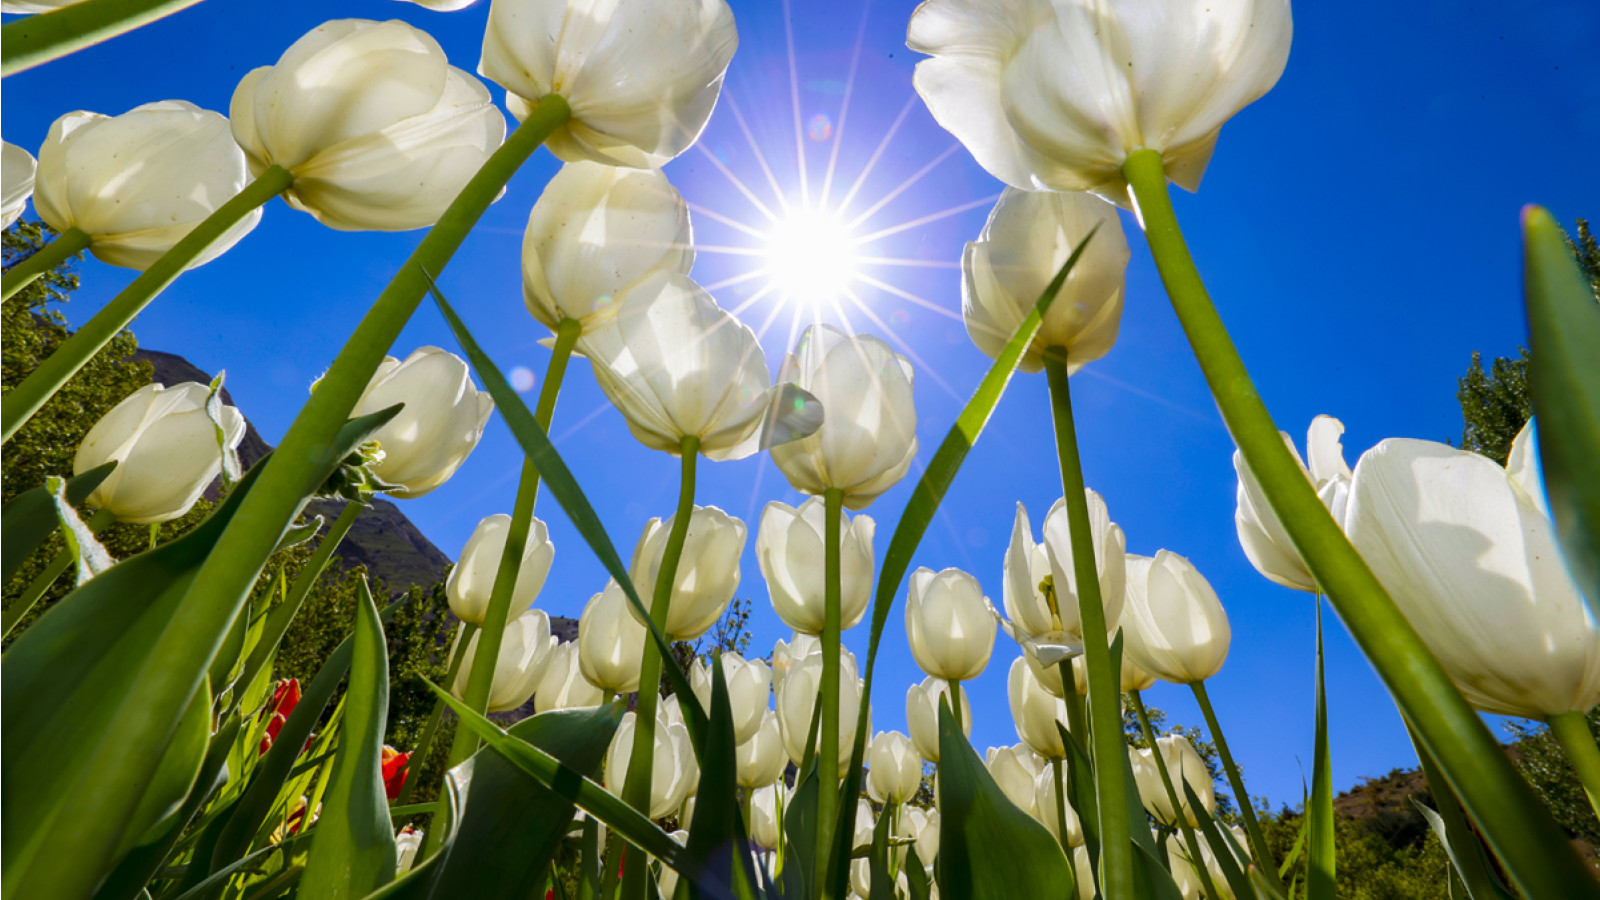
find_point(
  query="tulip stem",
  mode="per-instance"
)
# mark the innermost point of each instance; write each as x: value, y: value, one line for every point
x: 832, y: 627
x: 430, y: 729
x: 1104, y: 683
x: 38, y: 39
x: 42, y: 383
x: 1189, y: 838
x: 955, y: 699
x: 1061, y: 809
x: 641, y: 760
x: 1247, y: 811
x: 480, y: 680
x: 36, y: 589
x: 66, y: 245
x: 1572, y: 731
x: 1536, y: 852
x: 1072, y: 700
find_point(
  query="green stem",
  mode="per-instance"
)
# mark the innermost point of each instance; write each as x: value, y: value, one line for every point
x: 1073, y: 700
x: 419, y: 753
x: 1105, y: 683
x: 68, y: 244
x: 954, y: 687
x: 1061, y: 808
x: 38, y: 39
x: 1190, y: 840
x: 42, y: 383
x: 160, y: 692
x: 480, y: 681
x: 37, y: 588
x: 1252, y: 827
x: 832, y: 631
x: 641, y: 760
x: 1572, y: 731
x: 1536, y: 852
x: 1321, y: 850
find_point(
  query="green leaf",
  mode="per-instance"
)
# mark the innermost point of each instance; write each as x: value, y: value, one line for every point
x: 716, y: 838
x: 988, y: 848
x: 1467, y: 854
x: 354, y: 852
x: 882, y: 884
x: 1226, y: 854
x: 1320, y: 884
x: 30, y: 518
x: 800, y: 818
x: 1151, y: 879
x: 1563, y: 331
x: 917, y: 875
x: 92, y: 558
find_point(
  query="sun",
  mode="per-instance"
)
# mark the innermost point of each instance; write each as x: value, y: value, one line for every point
x: 810, y: 257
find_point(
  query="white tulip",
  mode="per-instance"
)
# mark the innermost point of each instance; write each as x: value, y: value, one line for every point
x: 797, y: 699
x: 1055, y: 94
x: 595, y: 232
x: 785, y: 654
x: 29, y: 7
x: 1522, y: 465
x: 441, y: 423
x: 446, y: 6
x: 949, y: 624
x: 1174, y: 625
x: 1041, y: 583
x: 869, y: 434
x: 610, y: 642
x: 708, y: 570
x: 1015, y: 770
x: 1083, y: 872
x: 525, y: 653
x: 406, y: 844
x: 673, y: 771
x: 1266, y: 542
x: 1476, y: 567
x: 677, y: 365
x: 1035, y: 711
x: 1184, y: 767
x: 922, y: 715
x: 749, y: 685
x: 138, y: 183
x: 17, y: 171
x: 767, y: 806
x: 1044, y: 804
x: 1028, y: 238
x: 667, y: 879
x: 378, y: 129
x: 761, y: 759
x: 166, y: 450
x: 1133, y: 678
x: 471, y: 582
x: 641, y: 76
x: 894, y: 770
x: 563, y: 685
x: 790, y: 547
x: 925, y: 828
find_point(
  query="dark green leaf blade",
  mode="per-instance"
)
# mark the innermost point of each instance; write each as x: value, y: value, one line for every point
x: 1320, y: 873
x: 716, y: 838
x: 30, y: 518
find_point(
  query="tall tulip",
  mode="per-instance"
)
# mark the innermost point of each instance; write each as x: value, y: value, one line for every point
x: 670, y: 781
x: 1028, y: 238
x: 761, y: 759
x: 869, y: 436
x: 596, y: 231
x: 1044, y: 803
x: 708, y: 570
x: 766, y: 810
x: 925, y: 830
x: 790, y: 550
x: 1055, y: 94
x: 138, y: 183
x: 1015, y: 770
x: 787, y: 654
x: 378, y: 129
x: 1133, y: 678
x: 17, y: 171
x: 525, y: 653
x: 749, y: 684
x: 949, y: 624
x: 922, y: 714
x: 441, y: 423
x: 1040, y: 588
x: 610, y: 642
x: 894, y: 770
x: 166, y: 449
x: 472, y: 580
x: 1036, y: 712
x: 1185, y: 767
x: 641, y: 76
x: 1176, y: 627
x: 797, y: 698
x: 1262, y: 535
x: 563, y: 685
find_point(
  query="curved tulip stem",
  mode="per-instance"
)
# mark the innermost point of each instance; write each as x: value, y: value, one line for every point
x: 1252, y: 827
x: 1572, y: 731
x: 38, y: 39
x: 430, y: 729
x: 42, y: 383
x: 66, y: 245
x: 1061, y: 808
x: 1190, y: 840
x: 1536, y: 852
x: 1105, y: 714
x: 36, y: 589
x: 955, y: 699
x: 828, y: 753
x: 641, y: 760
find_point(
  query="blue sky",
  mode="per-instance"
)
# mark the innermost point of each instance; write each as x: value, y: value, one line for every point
x: 1357, y: 228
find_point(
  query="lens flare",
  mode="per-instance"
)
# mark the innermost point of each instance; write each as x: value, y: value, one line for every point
x: 811, y: 257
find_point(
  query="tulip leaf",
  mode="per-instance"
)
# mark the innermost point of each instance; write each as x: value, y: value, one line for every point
x: 1461, y: 843
x: 91, y: 557
x: 30, y: 518
x: 800, y: 818
x: 1152, y: 880
x: 1563, y: 331
x: 354, y: 853
x: 535, y: 444
x: 717, y: 840
x: 916, y: 875
x: 882, y: 883
x: 1320, y: 832
x: 1222, y: 849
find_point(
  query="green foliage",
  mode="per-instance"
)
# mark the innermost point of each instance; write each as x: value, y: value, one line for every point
x: 1495, y: 404
x: 1388, y: 854
x: 1546, y: 767
x: 1586, y: 250
x: 1227, y: 812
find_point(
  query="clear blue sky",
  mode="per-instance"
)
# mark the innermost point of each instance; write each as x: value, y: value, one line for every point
x: 1357, y: 227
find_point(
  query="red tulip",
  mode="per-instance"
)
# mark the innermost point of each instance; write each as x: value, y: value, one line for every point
x: 285, y: 697
x: 394, y: 771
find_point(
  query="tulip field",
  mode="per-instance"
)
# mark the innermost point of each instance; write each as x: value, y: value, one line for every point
x: 151, y: 750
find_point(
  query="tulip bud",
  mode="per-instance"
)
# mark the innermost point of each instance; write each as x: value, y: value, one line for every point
x: 869, y: 437
x: 749, y: 686
x: 17, y: 171
x: 471, y: 582
x: 1184, y: 765
x: 761, y: 759
x: 1044, y: 802
x: 563, y: 685
x: 790, y: 550
x: 925, y: 828
x: 708, y: 570
x: 797, y: 699
x: 1174, y: 625
x: 166, y: 449
x: 670, y: 776
x: 667, y: 880
x: 1041, y: 583
x: 1055, y: 96
x: 1184, y: 870
x: 394, y: 768
x: 1014, y: 769
x: 1083, y: 872
x: 378, y: 129
x: 786, y: 654
x: 922, y: 715
x: 610, y: 642
x: 1266, y: 543
x: 406, y: 844
x: 1028, y: 238
x: 949, y: 624
x: 766, y: 814
x: 1036, y: 712
x: 1475, y: 565
x: 525, y: 652
x: 894, y: 771
x: 138, y: 183
x: 641, y: 76
x: 441, y: 423
x: 595, y: 232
